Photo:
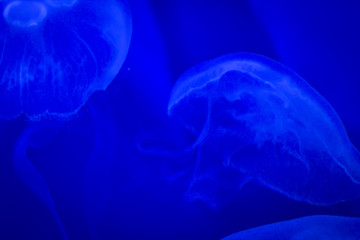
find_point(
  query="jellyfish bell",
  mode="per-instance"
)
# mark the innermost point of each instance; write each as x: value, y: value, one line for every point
x: 55, y: 54
x: 25, y: 14
x: 255, y: 115
x: 318, y: 227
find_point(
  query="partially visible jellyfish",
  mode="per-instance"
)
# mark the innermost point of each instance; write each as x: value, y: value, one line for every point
x: 54, y: 54
x: 320, y: 227
x: 256, y: 120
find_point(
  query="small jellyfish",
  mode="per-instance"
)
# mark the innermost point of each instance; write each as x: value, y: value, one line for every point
x: 54, y: 54
x: 320, y: 227
x: 256, y: 120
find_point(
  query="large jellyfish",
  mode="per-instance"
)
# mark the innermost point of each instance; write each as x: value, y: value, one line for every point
x: 320, y: 227
x: 54, y: 54
x: 255, y: 119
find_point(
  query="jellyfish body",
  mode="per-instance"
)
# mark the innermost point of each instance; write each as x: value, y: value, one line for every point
x: 255, y: 119
x: 55, y: 54
x: 306, y: 228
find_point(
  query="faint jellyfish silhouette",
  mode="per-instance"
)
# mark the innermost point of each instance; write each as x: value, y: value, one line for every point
x: 54, y: 54
x: 320, y: 227
x: 255, y: 119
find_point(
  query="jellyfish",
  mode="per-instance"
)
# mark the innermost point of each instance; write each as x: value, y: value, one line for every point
x: 256, y: 120
x: 319, y: 227
x: 54, y: 54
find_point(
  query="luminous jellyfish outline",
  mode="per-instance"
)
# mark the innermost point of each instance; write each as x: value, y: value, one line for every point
x: 37, y: 77
x: 55, y: 54
x: 236, y: 90
x: 317, y: 227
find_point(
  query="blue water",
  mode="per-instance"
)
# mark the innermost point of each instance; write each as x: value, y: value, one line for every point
x: 110, y: 163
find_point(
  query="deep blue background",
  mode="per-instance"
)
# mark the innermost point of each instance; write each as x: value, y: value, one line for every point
x: 103, y: 182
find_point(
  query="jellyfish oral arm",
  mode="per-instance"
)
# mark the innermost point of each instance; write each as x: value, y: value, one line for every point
x: 31, y: 176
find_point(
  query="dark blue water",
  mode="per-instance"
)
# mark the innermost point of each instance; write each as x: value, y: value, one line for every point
x: 117, y: 168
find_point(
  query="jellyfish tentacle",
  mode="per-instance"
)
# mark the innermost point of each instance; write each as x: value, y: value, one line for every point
x: 30, y: 174
x: 161, y: 151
